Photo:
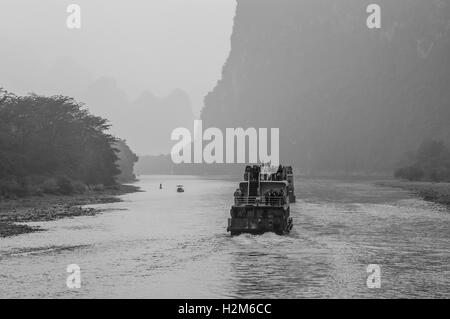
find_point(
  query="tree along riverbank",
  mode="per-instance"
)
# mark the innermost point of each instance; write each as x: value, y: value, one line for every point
x: 433, y: 192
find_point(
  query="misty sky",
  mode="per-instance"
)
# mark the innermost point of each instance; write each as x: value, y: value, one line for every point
x: 154, y: 45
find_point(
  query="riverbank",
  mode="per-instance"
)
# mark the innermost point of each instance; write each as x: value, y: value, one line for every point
x: 53, y: 207
x: 433, y: 192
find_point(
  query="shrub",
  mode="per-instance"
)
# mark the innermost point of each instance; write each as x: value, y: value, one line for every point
x: 9, y: 187
x: 98, y: 188
x: 411, y: 173
x: 50, y: 186
x: 439, y: 174
x: 79, y: 187
x: 431, y: 162
x: 32, y: 190
x: 65, y: 185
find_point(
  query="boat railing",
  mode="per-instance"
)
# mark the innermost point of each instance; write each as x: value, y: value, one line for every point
x: 260, y: 200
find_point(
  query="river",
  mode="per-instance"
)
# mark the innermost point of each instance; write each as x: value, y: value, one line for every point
x: 163, y: 244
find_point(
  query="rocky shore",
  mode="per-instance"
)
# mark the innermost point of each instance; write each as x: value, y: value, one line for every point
x: 434, y: 192
x: 52, y: 207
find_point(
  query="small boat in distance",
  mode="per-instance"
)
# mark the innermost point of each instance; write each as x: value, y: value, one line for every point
x: 262, y: 201
x: 180, y: 188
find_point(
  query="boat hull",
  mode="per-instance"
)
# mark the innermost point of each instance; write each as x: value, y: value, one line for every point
x: 259, y: 220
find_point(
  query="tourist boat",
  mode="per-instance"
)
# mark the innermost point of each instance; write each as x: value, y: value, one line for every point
x: 180, y: 188
x: 262, y: 201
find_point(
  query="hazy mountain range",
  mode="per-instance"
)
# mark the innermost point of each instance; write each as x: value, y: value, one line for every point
x: 145, y: 122
x: 346, y: 98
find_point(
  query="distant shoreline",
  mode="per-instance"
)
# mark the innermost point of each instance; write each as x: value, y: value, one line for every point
x: 54, y: 207
x: 438, y: 193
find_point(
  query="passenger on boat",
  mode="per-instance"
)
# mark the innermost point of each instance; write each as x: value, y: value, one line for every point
x: 267, y: 197
x: 271, y: 196
x: 276, y: 198
x: 248, y: 173
x: 279, y: 173
x: 282, y: 197
x: 255, y: 172
x: 237, y: 196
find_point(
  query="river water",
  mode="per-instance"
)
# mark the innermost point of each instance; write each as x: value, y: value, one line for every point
x: 162, y: 244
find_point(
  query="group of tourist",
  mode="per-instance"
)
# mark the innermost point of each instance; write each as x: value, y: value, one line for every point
x: 264, y: 172
x: 275, y: 198
x: 271, y: 197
